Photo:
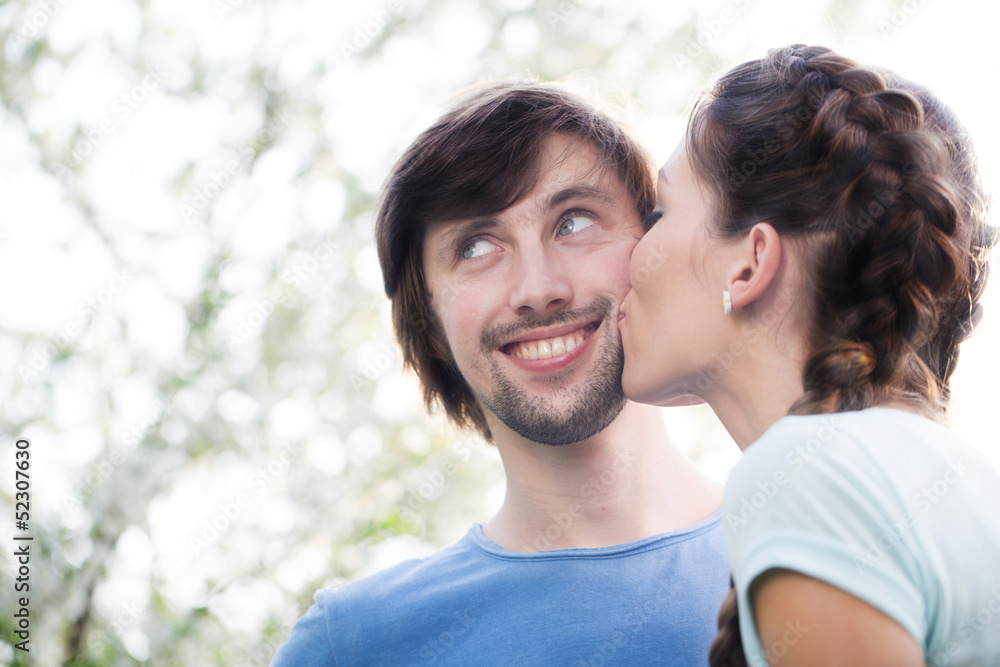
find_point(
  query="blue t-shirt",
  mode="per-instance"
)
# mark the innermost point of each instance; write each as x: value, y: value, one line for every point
x: 650, y: 602
x: 886, y: 505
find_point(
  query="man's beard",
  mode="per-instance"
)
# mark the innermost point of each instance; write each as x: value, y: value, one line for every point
x: 591, y: 407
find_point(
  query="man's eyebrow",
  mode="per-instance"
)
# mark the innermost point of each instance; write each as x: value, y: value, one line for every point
x: 578, y: 192
x: 457, y: 233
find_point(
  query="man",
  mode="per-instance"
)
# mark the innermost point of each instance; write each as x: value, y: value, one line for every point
x: 504, y: 235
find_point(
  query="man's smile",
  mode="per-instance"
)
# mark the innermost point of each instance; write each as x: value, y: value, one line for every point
x: 549, y: 344
x: 551, y: 349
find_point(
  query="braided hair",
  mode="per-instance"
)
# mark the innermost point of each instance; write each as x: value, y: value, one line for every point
x: 879, y: 181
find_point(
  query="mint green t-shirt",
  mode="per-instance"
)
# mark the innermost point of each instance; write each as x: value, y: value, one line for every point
x: 886, y: 505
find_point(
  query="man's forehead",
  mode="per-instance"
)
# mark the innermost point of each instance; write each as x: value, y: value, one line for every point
x: 565, y: 157
x: 568, y: 169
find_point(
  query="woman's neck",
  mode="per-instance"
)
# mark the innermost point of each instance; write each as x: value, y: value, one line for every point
x: 759, y: 389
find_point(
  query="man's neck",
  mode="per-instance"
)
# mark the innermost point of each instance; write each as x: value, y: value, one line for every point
x: 626, y: 483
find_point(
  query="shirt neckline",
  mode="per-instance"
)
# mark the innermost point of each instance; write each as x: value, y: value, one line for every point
x: 491, y: 548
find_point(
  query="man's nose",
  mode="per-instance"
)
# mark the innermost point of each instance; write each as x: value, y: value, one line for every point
x: 540, y: 282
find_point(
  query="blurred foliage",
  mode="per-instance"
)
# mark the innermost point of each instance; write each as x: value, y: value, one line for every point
x: 233, y: 429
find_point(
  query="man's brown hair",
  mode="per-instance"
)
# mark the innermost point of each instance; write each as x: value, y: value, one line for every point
x: 478, y: 159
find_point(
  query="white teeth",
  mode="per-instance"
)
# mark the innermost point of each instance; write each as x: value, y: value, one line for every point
x: 558, y: 346
x: 548, y: 348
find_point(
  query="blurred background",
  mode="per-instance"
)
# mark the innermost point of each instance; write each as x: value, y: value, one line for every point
x: 193, y: 332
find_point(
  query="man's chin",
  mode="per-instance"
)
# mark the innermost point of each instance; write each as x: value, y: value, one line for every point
x: 578, y: 410
x: 538, y: 420
x: 559, y: 432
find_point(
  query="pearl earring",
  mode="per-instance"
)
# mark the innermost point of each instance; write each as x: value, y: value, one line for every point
x: 727, y: 302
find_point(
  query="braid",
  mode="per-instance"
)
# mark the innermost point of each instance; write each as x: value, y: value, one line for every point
x: 727, y: 647
x: 893, y: 219
x: 881, y: 180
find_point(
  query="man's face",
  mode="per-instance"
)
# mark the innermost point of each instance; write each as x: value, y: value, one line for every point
x: 528, y: 298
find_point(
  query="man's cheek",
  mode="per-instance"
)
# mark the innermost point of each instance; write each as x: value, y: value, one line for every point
x: 464, y: 332
x: 622, y: 283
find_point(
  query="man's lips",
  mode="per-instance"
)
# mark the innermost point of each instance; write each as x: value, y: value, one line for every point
x: 551, y: 342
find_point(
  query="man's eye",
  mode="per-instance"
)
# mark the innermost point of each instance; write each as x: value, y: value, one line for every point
x: 573, y: 225
x: 477, y: 248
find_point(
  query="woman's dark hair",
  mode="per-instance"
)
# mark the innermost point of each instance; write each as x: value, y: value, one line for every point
x: 479, y: 158
x: 879, y: 182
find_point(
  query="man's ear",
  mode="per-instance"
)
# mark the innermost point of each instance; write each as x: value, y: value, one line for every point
x: 756, y: 265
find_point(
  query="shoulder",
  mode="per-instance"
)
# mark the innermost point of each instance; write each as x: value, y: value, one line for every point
x: 867, y: 451
x: 814, y: 493
x: 408, y: 578
x: 797, y: 453
x: 342, y: 621
x: 878, y: 504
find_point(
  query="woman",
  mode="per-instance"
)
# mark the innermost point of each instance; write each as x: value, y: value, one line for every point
x: 819, y: 256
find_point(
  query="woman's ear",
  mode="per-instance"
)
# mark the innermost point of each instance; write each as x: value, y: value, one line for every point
x: 757, y: 260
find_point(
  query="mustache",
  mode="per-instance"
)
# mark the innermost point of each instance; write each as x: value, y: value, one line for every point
x: 493, y: 337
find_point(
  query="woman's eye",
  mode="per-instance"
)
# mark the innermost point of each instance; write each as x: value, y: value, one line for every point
x: 573, y: 225
x: 650, y: 220
x: 477, y: 248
